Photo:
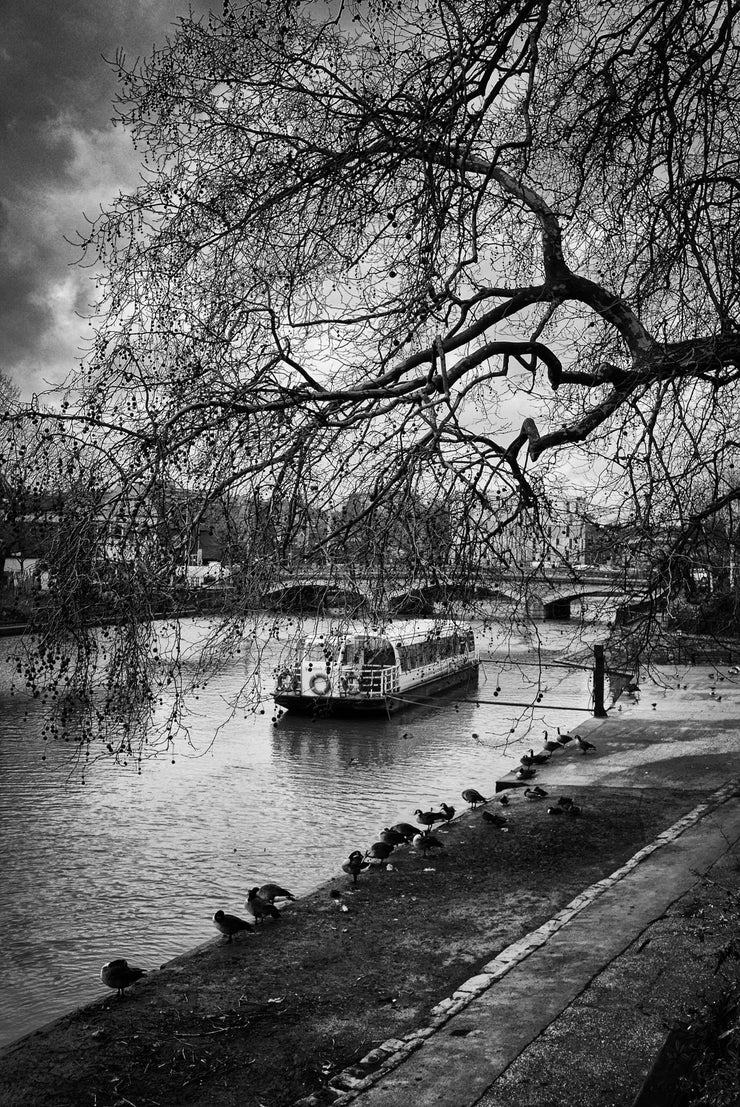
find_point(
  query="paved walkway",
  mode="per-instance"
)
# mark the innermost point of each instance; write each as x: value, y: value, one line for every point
x: 680, y: 731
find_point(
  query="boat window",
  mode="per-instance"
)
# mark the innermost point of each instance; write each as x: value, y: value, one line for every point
x: 414, y: 655
x: 374, y: 651
x: 380, y: 655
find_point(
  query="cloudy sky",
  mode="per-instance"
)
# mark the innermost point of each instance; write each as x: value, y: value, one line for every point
x: 60, y: 159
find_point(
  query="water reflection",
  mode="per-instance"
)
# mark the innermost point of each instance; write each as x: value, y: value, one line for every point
x: 135, y: 865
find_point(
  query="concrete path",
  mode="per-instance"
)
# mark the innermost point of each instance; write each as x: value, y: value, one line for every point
x: 678, y: 732
x: 460, y: 1062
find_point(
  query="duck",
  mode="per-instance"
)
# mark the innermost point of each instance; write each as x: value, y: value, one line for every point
x: 535, y: 793
x: 379, y: 851
x: 230, y: 924
x: 523, y: 773
x: 425, y: 842
x: 494, y: 820
x: 120, y: 975
x: 565, y: 801
x: 473, y: 797
x: 584, y: 745
x: 271, y: 892
x: 355, y: 864
x: 447, y: 811
x: 503, y: 799
x: 573, y: 810
x: 393, y: 837
x: 556, y: 810
x: 429, y: 818
x: 259, y: 908
x: 406, y: 829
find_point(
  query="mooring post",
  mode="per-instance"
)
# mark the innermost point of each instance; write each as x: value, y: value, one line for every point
x: 599, y: 710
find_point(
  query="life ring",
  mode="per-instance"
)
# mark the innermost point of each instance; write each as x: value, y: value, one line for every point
x: 319, y: 684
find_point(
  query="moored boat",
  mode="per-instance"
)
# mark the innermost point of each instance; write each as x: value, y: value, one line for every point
x: 372, y: 672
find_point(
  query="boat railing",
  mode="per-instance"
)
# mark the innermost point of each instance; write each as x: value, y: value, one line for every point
x: 379, y: 680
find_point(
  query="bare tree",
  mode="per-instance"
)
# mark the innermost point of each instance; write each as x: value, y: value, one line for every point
x: 432, y: 249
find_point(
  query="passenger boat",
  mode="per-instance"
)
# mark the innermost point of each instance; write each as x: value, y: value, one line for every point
x: 368, y: 673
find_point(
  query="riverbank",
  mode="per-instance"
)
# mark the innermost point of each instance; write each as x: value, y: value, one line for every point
x: 283, y: 1013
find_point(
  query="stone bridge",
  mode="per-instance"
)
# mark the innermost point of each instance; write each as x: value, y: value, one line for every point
x: 541, y: 593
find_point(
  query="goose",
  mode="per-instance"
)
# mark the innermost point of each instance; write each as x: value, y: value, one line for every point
x: 526, y: 759
x: 406, y: 829
x: 523, y: 773
x: 259, y: 908
x: 379, y: 851
x: 539, y: 758
x: 583, y: 745
x: 564, y: 738
x: 392, y: 837
x: 495, y: 820
x: 355, y: 864
x: 120, y: 975
x: 535, y: 793
x: 429, y: 818
x: 574, y: 810
x: 473, y: 797
x: 271, y: 892
x: 551, y: 744
x: 425, y: 842
x: 447, y: 811
x: 230, y: 924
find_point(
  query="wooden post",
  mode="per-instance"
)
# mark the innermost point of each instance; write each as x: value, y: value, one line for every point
x: 599, y: 710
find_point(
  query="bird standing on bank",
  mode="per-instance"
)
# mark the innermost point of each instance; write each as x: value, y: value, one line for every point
x: 379, y: 851
x: 271, y: 892
x: 429, y: 818
x: 260, y: 909
x: 425, y: 842
x: 584, y: 745
x: 355, y: 864
x: 494, y: 820
x: 447, y: 811
x: 120, y: 975
x: 473, y: 797
x: 406, y: 829
x: 230, y: 924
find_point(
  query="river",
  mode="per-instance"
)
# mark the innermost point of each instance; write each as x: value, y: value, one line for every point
x: 134, y: 865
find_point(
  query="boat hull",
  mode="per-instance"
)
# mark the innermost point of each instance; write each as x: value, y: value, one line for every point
x: 466, y: 676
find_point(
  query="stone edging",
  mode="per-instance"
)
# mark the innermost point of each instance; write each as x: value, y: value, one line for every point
x: 347, y: 1085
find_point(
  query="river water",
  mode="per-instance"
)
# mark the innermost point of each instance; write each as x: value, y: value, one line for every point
x: 134, y: 865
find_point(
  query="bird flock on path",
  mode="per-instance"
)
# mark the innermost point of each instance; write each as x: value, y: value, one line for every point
x: 260, y: 902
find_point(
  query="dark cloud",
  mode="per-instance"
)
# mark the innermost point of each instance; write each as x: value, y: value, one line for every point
x: 61, y: 157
